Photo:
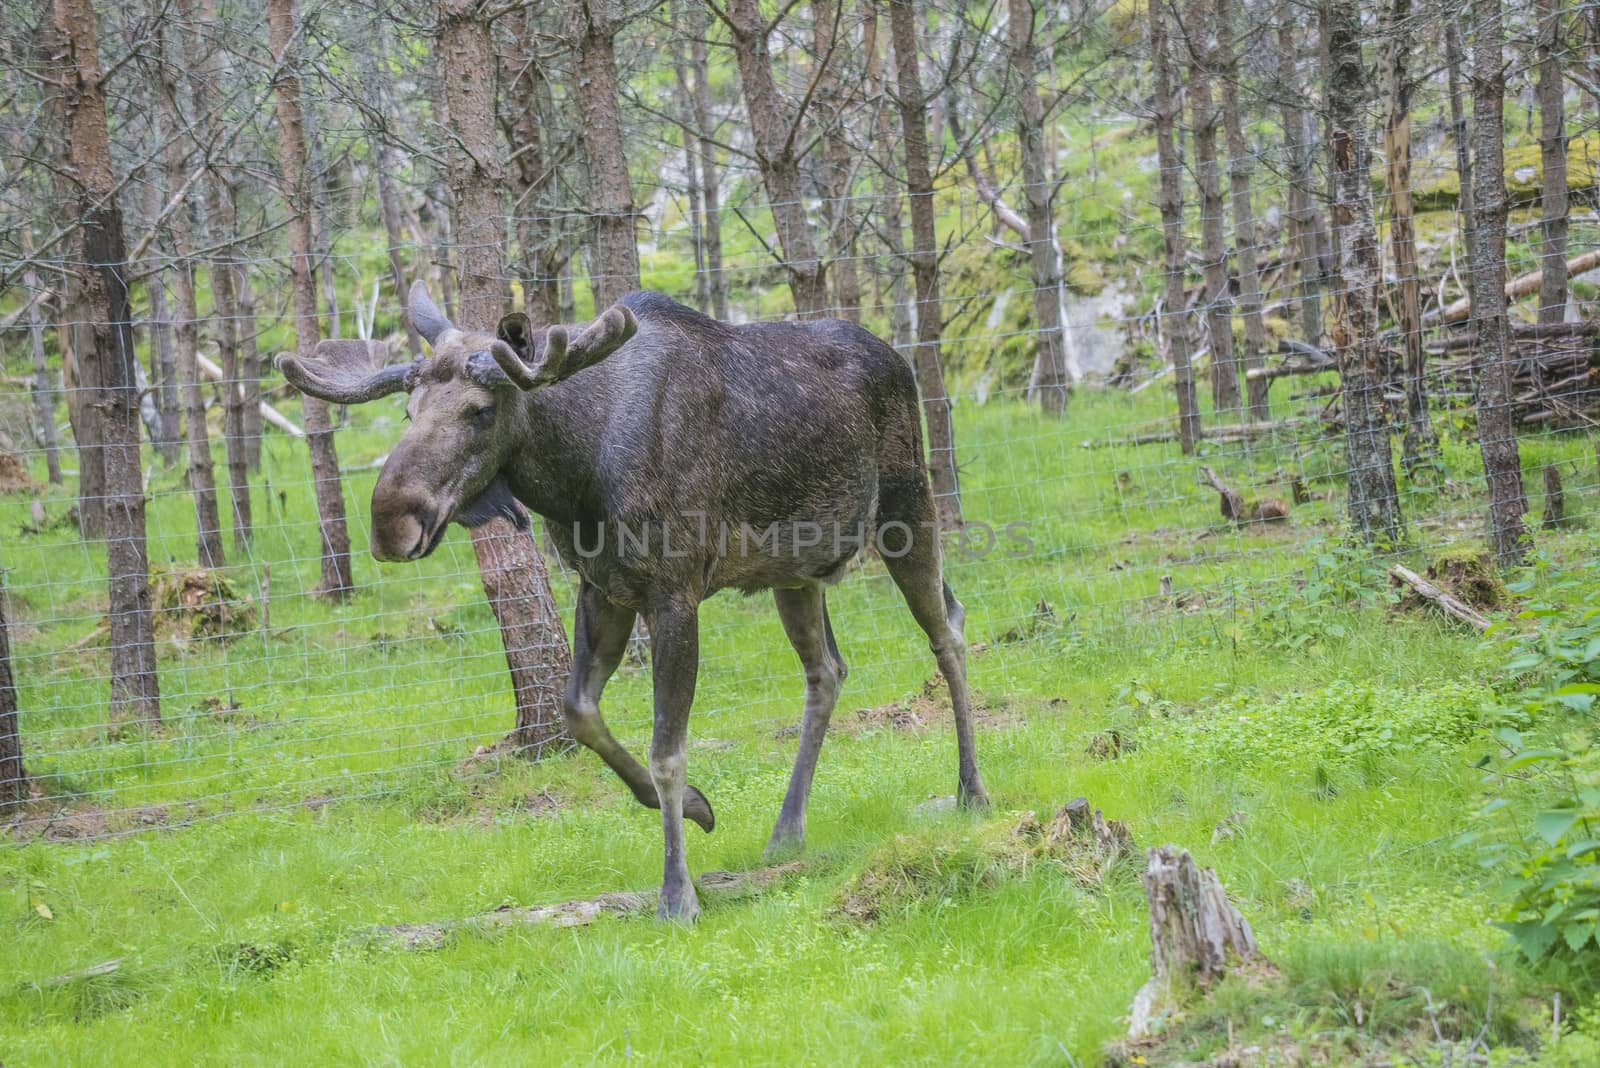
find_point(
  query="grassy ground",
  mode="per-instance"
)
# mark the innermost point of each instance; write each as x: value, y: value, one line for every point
x: 1313, y: 745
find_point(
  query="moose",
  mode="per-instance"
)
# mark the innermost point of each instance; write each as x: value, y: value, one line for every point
x: 671, y: 456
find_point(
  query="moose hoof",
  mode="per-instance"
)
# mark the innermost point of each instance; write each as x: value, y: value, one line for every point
x: 973, y: 797
x: 784, y: 844
x: 698, y: 809
x: 678, y: 903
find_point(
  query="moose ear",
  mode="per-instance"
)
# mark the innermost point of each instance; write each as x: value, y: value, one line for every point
x: 555, y: 357
x: 516, y: 331
x: 425, y: 315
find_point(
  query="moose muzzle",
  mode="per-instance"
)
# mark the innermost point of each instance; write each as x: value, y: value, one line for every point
x: 406, y: 524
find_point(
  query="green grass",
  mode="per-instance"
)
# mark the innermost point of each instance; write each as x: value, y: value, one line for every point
x: 1338, y: 769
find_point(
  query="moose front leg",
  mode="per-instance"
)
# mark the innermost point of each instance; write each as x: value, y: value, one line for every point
x: 675, y: 652
x: 599, y: 639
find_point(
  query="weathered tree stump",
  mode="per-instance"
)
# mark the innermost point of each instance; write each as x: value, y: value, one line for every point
x: 1239, y: 511
x: 1555, y: 500
x: 1196, y: 937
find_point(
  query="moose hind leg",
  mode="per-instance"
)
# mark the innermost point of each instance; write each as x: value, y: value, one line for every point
x: 674, y: 633
x: 913, y: 560
x: 599, y: 639
x: 805, y: 620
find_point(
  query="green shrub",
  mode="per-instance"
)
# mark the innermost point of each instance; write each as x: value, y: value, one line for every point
x: 1341, y: 726
x: 1551, y: 758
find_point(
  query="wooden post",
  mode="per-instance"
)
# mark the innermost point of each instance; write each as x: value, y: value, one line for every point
x: 13, y: 780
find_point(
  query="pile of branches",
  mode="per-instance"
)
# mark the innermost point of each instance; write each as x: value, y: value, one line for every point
x: 1555, y: 371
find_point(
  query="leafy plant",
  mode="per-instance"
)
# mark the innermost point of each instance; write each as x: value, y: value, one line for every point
x: 1316, y: 609
x: 1554, y: 872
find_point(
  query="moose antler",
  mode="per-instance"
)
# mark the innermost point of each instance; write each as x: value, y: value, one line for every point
x: 345, y: 372
x: 557, y: 357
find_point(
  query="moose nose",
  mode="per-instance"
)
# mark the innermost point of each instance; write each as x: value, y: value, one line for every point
x: 404, y: 527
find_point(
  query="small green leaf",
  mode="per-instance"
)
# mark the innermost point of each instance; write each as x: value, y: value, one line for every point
x: 1578, y: 702
x: 1532, y: 756
x: 1534, y: 939
x: 1578, y: 849
x: 1577, y: 935
x: 1553, y: 823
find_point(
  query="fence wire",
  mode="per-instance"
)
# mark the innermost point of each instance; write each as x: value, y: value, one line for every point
x: 1103, y: 534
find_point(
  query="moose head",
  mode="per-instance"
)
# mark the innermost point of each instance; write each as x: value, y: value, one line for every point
x: 467, y: 412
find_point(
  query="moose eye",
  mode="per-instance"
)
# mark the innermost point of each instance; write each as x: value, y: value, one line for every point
x: 483, y: 416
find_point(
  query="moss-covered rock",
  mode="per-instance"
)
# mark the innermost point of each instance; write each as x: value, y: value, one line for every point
x: 1435, y: 185
x: 1085, y: 279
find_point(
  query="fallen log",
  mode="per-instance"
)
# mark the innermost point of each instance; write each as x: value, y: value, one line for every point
x: 1285, y: 370
x: 93, y: 971
x: 1447, y: 603
x: 213, y: 373
x: 578, y: 913
x: 1314, y: 361
x: 1521, y: 286
x: 1523, y: 332
x: 1228, y: 433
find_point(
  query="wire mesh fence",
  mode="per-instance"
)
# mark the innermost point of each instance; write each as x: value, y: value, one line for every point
x: 1084, y: 531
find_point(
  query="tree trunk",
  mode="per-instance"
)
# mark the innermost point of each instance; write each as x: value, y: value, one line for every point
x: 1553, y: 171
x: 389, y: 207
x: 1303, y: 217
x: 77, y: 369
x: 1244, y: 219
x: 830, y: 43
x: 684, y: 106
x: 1213, y: 214
x: 925, y: 268
x: 13, y: 779
x: 710, y: 182
x: 1374, y: 501
x: 892, y: 227
x: 1419, y: 446
x: 1463, y: 137
x: 775, y: 129
x: 322, y: 203
x: 102, y: 332
x: 202, y: 482
x: 1175, y: 317
x: 1497, y: 436
x: 614, y: 267
x: 163, y: 356
x: 1049, y: 382
x: 283, y: 39
x: 164, y: 369
x: 525, y: 99
x: 517, y: 586
x: 514, y: 576
x: 249, y: 352
x: 44, y: 386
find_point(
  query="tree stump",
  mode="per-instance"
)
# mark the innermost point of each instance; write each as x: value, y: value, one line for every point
x: 1555, y: 500
x: 1196, y: 937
